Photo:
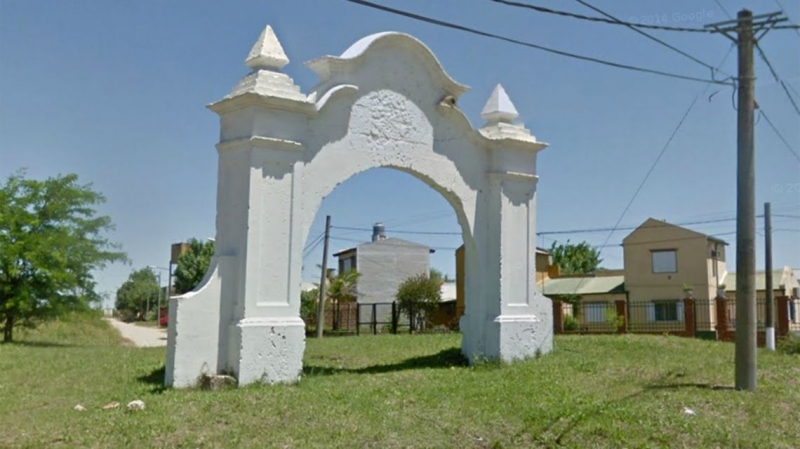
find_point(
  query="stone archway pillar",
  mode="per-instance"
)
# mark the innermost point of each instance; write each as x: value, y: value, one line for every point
x: 249, y: 302
x: 509, y: 319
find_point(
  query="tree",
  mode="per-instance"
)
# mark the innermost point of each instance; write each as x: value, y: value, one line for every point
x: 419, y: 296
x: 137, y: 293
x: 572, y: 258
x: 51, y: 242
x: 341, y: 288
x: 192, y: 265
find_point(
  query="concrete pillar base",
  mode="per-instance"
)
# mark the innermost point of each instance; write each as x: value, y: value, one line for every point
x: 507, y: 337
x: 770, y: 337
x: 271, y: 350
x: 523, y: 336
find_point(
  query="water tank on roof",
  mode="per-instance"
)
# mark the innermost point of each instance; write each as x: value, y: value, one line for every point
x: 378, y: 232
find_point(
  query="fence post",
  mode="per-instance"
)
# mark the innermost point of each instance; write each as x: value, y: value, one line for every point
x: 358, y: 319
x: 394, y: 317
x: 622, y: 311
x: 374, y: 319
x: 782, y: 327
x: 722, y: 316
x: 688, y: 317
x: 558, y: 317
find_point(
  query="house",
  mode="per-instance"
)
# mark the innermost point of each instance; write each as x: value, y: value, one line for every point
x: 663, y: 264
x: 598, y: 296
x: 383, y: 263
x: 784, y: 283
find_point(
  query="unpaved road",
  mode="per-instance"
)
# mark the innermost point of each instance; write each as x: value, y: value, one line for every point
x: 143, y: 337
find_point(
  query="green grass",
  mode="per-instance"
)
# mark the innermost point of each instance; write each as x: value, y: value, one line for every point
x: 401, y: 391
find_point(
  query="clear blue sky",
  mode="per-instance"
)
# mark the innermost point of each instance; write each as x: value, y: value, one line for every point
x: 116, y: 92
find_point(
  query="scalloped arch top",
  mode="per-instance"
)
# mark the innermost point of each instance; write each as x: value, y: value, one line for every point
x: 325, y: 66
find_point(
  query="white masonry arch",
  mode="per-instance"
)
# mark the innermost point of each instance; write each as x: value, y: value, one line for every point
x: 385, y: 102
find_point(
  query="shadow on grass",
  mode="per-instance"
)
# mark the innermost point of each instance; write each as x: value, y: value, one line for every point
x: 443, y: 359
x: 676, y: 386
x: 154, y: 378
x: 41, y: 344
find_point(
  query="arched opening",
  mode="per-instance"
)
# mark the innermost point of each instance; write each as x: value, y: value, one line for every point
x: 387, y: 224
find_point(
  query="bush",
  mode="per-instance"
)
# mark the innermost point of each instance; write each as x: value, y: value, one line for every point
x: 419, y: 296
x: 308, y: 305
x: 570, y: 323
x: 789, y: 345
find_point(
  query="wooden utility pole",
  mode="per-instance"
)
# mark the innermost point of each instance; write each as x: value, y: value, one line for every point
x: 323, y: 278
x: 746, y: 26
x: 770, y: 305
x: 746, y: 212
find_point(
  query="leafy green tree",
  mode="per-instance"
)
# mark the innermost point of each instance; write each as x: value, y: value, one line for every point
x: 51, y: 242
x: 139, y: 293
x: 419, y: 296
x: 580, y: 258
x: 192, y: 265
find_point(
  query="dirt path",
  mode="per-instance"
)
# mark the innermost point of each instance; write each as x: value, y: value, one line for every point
x: 143, y: 337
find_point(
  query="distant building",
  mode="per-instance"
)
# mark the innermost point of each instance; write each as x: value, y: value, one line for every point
x: 384, y: 263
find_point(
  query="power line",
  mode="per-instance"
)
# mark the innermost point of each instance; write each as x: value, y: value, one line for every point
x: 600, y: 19
x: 312, y: 242
x: 630, y: 228
x: 531, y: 45
x: 653, y: 38
x: 777, y: 78
x: 780, y: 136
x: 440, y: 248
x: 347, y: 228
x: 780, y: 5
x: 723, y: 9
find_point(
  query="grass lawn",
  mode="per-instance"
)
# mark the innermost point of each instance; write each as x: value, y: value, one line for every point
x: 400, y: 391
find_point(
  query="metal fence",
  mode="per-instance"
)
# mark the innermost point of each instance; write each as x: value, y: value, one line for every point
x: 713, y: 319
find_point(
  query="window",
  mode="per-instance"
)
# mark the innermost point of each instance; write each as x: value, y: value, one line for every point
x: 594, y: 312
x: 347, y: 264
x: 665, y: 261
x: 665, y: 311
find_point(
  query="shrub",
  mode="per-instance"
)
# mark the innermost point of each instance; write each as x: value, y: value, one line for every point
x: 789, y: 345
x: 570, y: 323
x: 419, y: 296
x: 308, y: 305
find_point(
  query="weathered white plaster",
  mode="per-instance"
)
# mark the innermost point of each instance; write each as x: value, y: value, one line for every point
x: 385, y: 102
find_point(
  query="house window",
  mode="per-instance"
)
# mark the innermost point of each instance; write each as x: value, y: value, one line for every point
x: 347, y: 264
x: 665, y: 261
x: 665, y: 311
x: 594, y: 312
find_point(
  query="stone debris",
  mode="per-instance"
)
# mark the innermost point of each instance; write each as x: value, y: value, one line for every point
x: 217, y: 382
x: 111, y: 406
x: 79, y: 408
x: 135, y: 405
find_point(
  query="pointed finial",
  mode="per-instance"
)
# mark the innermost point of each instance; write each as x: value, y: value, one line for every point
x: 267, y: 53
x: 499, y: 108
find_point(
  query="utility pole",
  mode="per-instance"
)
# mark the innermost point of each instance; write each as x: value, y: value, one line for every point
x: 746, y: 212
x: 746, y: 26
x: 770, y: 309
x: 323, y: 278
